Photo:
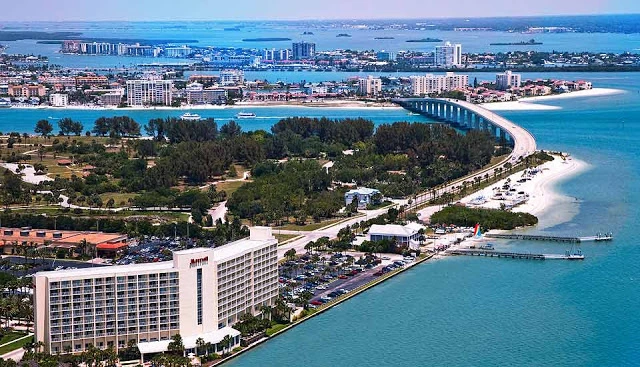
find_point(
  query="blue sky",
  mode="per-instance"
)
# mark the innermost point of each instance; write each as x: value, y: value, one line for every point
x: 50, y: 10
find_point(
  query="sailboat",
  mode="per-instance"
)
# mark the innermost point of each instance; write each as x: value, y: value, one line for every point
x: 477, y: 236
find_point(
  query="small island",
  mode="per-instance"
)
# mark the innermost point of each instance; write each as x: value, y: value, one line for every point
x: 266, y: 39
x: 523, y: 43
x: 384, y: 38
x: 428, y: 39
x: 343, y: 35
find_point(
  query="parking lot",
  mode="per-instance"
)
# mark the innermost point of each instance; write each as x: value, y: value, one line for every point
x: 318, y: 279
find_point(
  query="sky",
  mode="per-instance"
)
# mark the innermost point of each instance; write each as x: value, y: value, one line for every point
x: 149, y: 10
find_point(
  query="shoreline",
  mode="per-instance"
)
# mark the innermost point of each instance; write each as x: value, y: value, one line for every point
x: 329, y: 306
x: 344, y: 104
x: 529, y: 103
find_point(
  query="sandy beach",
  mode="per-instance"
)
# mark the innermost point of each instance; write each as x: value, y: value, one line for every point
x: 540, y: 188
x: 346, y: 104
x: 526, y: 104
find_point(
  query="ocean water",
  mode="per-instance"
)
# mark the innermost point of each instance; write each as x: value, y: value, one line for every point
x: 213, y: 34
x: 497, y: 312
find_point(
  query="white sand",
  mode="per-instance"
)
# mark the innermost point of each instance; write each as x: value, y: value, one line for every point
x: 517, y: 106
x: 338, y: 104
x: 541, y: 191
x: 525, y: 104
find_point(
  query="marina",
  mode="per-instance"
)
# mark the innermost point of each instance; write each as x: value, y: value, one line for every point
x: 606, y: 237
x: 516, y: 255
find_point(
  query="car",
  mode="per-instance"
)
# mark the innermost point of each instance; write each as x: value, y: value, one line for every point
x: 343, y: 291
x: 316, y: 303
x: 378, y: 273
x: 321, y: 287
x: 386, y: 258
x: 342, y: 276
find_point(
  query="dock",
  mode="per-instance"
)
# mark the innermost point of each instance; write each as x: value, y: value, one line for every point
x: 514, y: 255
x: 529, y: 237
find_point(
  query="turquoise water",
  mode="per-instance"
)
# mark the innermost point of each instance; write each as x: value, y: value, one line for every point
x: 490, y: 312
x: 24, y: 120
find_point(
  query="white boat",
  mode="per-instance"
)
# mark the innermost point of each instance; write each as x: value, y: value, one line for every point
x: 245, y: 115
x: 190, y: 116
x: 5, y: 104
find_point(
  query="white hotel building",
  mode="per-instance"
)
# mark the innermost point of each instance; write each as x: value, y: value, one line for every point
x: 199, y: 294
x: 149, y: 92
x: 427, y: 84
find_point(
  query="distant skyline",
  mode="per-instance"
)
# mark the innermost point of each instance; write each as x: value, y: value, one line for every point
x: 155, y: 10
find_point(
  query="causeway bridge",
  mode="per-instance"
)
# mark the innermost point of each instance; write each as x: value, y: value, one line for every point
x: 467, y: 115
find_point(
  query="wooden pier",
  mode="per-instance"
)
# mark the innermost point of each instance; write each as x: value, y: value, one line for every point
x: 529, y: 237
x: 514, y: 255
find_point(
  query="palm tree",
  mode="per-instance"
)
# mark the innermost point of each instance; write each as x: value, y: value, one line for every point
x: 266, y: 311
x: 226, y: 343
x: 200, y: 344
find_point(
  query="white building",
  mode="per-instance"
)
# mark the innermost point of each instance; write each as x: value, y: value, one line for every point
x: 363, y: 195
x: 407, y: 235
x: 430, y: 83
x: 59, y: 100
x: 149, y: 92
x: 369, y: 86
x: 448, y: 55
x: 508, y: 80
x: 200, y: 293
x: 231, y: 77
x: 197, y: 94
x: 181, y: 51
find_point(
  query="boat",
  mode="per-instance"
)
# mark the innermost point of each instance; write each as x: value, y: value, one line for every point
x: 245, y: 115
x: 5, y: 104
x: 488, y: 246
x: 190, y: 117
x: 574, y: 255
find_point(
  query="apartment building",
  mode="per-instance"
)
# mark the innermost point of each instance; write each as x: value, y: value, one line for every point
x: 369, y: 86
x: 448, y: 55
x: 430, y: 83
x: 149, y: 92
x: 303, y: 50
x: 199, y: 294
x: 231, y: 77
x: 508, y: 80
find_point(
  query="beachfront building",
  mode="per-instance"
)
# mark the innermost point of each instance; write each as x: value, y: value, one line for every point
x: 58, y: 100
x: 149, y: 92
x: 197, y: 94
x: 407, y: 235
x: 508, y: 80
x: 303, y: 50
x: 430, y: 83
x: 448, y: 55
x: 201, y: 293
x: 369, y: 86
x: 231, y: 77
x: 26, y: 90
x: 363, y: 196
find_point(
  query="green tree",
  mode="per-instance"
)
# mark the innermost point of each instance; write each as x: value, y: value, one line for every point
x: 44, y: 128
x: 176, y: 345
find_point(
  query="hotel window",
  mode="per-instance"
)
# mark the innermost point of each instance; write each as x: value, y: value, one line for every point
x: 199, y: 295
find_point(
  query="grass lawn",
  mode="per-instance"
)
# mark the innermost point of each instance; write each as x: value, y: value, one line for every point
x: 229, y: 186
x: 275, y: 328
x: 310, y: 226
x: 118, y: 198
x: 13, y: 335
x: 284, y: 237
x: 15, y: 345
